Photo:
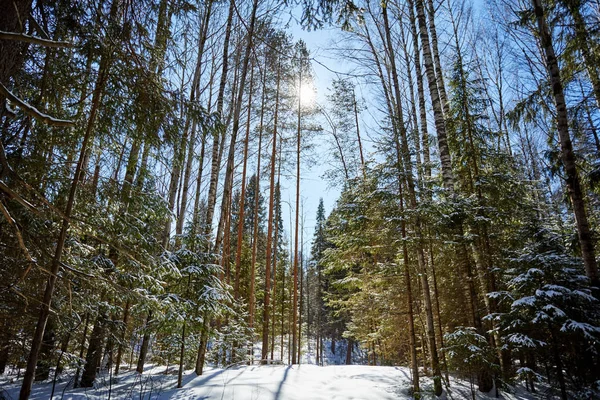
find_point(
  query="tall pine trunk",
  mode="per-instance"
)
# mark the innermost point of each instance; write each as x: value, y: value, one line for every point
x: 296, y: 229
x: 240, y: 227
x: 265, y: 326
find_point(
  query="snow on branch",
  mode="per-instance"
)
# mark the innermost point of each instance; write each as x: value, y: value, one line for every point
x: 34, y: 112
x: 21, y: 37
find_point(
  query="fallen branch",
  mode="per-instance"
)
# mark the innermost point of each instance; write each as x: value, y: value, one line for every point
x: 34, y: 112
x: 21, y: 37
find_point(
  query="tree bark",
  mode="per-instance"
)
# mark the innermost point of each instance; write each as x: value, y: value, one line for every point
x: 436, y: 103
x: 216, y: 160
x: 236, y: 116
x: 240, y: 227
x: 122, y: 336
x: 42, y: 370
x: 265, y: 326
x: 436, y: 57
x: 94, y: 353
x: 566, y: 147
x: 145, y: 344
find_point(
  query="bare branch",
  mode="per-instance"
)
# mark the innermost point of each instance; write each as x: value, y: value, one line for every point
x: 38, y: 28
x: 4, y: 187
x: 21, y: 37
x: 32, y: 111
x: 13, y: 223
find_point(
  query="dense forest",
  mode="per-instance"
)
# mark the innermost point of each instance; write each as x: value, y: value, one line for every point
x: 144, y: 145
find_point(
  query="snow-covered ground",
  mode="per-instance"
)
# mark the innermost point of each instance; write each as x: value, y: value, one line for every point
x: 257, y: 382
x: 272, y: 382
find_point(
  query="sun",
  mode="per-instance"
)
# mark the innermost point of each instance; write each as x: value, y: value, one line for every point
x: 307, y: 94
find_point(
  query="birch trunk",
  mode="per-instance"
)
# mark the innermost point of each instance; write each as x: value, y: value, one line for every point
x: 436, y: 102
x: 404, y: 157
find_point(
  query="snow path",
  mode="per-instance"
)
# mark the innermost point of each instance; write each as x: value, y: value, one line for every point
x: 293, y: 382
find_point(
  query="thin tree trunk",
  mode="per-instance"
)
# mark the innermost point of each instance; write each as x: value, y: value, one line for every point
x: 240, y: 227
x: 265, y: 327
x: 275, y: 248
x: 413, y: 109
x: 252, y: 300
x: 236, y: 115
x: 296, y: 236
x: 301, y: 291
x: 36, y: 343
x: 438, y: 313
x: 81, y: 349
x: 182, y: 348
x: 202, y: 345
x: 360, y: 147
x: 216, y: 160
x: 122, y: 336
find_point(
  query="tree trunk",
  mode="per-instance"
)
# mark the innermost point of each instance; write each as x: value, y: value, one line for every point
x: 240, y: 227
x: 566, y: 147
x: 434, y: 92
x: 145, y: 344
x: 42, y: 371
x: 102, y: 77
x: 351, y: 344
x: 265, y: 326
x: 81, y: 348
x: 236, y: 115
x: 122, y: 336
x: 360, y: 147
x: 94, y: 353
x: 202, y: 345
x: 413, y: 110
x: 404, y: 158
x: 301, y: 296
x: 436, y: 57
x: 216, y: 160
x: 275, y: 248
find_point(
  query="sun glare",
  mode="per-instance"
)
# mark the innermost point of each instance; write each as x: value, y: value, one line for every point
x: 307, y: 95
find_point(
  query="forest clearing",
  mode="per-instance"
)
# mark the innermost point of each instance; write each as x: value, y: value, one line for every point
x: 299, y: 199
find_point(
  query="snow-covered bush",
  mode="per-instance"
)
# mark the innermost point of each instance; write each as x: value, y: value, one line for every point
x: 470, y: 354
